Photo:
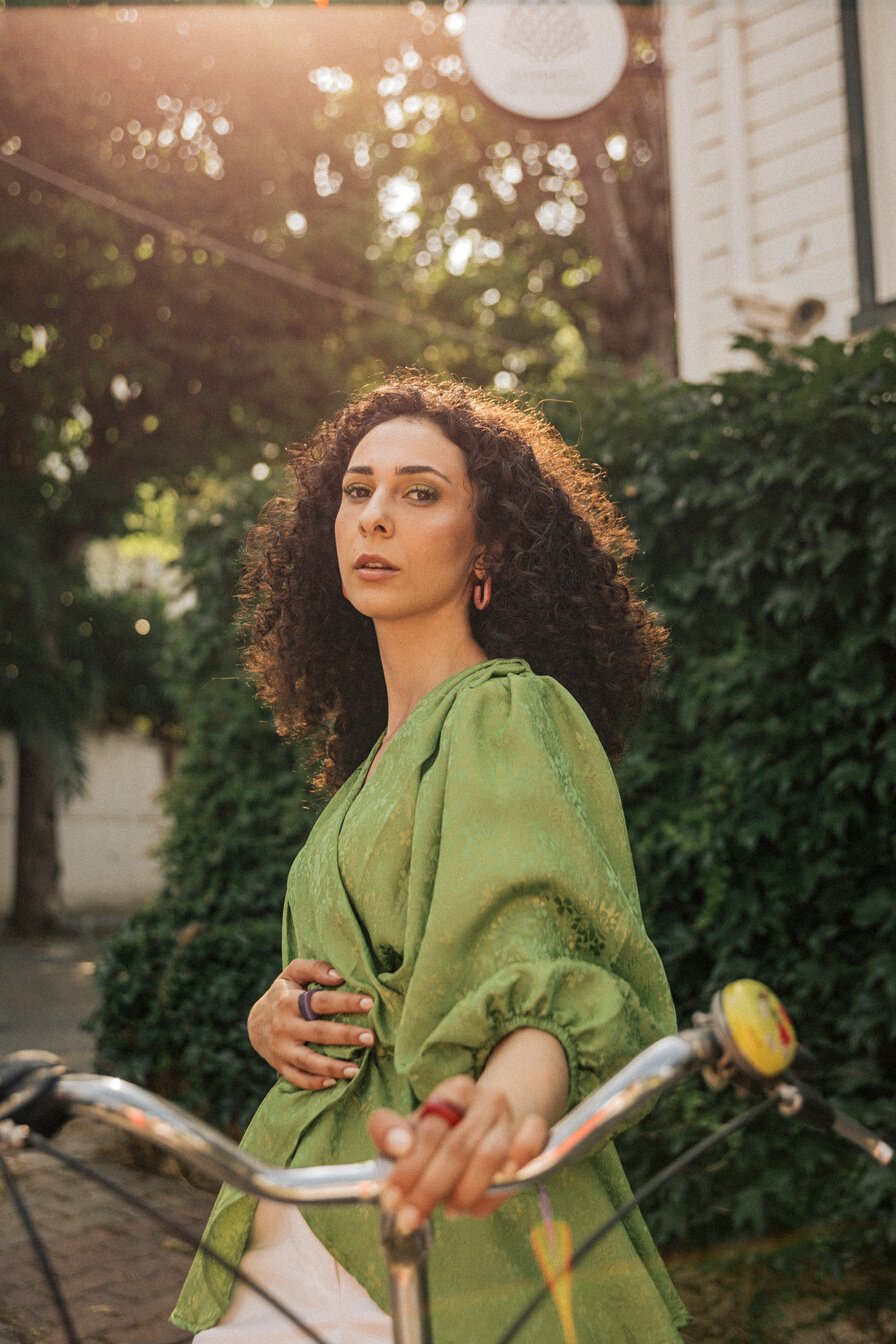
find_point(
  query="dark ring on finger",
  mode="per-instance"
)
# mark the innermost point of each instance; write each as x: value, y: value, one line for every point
x: 445, y: 1109
x: 305, y: 1009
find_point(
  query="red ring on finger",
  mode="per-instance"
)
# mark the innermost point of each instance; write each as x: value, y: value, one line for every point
x: 443, y: 1108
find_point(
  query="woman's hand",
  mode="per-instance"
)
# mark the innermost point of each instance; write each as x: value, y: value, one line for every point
x: 506, y: 1117
x: 281, y: 1035
x: 439, y: 1163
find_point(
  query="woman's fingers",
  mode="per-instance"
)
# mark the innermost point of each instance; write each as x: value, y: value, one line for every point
x: 527, y: 1143
x: 488, y: 1157
x: 312, y: 1071
x: 281, y: 1034
x: 412, y: 1141
x: 437, y: 1161
x: 468, y: 1195
x: 331, y: 1033
x: 328, y: 1001
x: 292, y: 1038
x: 443, y: 1155
x: 308, y: 1082
x: 317, y: 1065
x: 392, y: 1133
x: 306, y: 971
x: 484, y: 1152
x: 301, y: 973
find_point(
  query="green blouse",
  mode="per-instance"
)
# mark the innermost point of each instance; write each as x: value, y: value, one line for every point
x: 479, y: 881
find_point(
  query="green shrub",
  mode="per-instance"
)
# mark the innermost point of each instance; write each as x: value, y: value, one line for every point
x: 178, y: 979
x: 175, y: 998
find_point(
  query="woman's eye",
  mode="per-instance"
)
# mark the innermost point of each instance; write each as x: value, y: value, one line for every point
x: 354, y: 490
x: 424, y: 494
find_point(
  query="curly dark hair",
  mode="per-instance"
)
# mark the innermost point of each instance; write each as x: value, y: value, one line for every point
x: 561, y: 599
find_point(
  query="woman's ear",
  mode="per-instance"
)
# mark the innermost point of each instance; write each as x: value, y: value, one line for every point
x: 487, y: 558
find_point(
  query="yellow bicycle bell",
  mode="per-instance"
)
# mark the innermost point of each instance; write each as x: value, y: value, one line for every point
x: 754, y: 1029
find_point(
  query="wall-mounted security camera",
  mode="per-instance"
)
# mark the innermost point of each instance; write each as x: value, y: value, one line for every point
x: 777, y: 315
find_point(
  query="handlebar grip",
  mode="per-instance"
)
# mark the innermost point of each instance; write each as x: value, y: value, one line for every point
x: 797, y: 1099
x: 815, y: 1110
x: 28, y: 1081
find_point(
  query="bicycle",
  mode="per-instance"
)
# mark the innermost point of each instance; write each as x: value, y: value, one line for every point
x: 746, y: 1038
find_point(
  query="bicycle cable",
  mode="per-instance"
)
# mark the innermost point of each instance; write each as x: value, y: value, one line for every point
x: 40, y: 1251
x: 43, y: 1145
x: 646, y: 1190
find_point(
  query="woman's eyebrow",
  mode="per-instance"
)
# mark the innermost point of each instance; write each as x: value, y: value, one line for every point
x: 415, y: 471
x: 412, y: 470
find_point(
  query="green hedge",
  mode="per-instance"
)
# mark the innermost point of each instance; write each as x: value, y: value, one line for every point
x: 759, y: 790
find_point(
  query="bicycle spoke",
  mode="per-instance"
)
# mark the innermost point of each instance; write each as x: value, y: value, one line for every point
x: 649, y: 1188
x: 171, y: 1225
x: 40, y: 1252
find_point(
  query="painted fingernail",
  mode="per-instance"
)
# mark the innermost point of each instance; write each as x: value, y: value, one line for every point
x: 350, y: 1072
x: 329, y: 1082
x: 407, y: 1220
x: 390, y: 1198
x: 366, y: 1038
x: 333, y: 975
x: 366, y: 1003
x: 399, y: 1142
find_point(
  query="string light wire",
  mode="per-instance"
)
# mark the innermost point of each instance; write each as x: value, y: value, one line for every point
x: 274, y: 270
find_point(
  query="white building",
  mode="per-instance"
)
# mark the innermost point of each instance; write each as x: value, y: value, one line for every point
x: 109, y: 836
x: 782, y: 144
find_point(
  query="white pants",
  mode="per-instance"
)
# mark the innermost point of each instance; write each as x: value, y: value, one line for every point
x: 286, y: 1258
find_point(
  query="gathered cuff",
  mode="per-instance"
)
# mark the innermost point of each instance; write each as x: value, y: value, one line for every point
x: 594, y: 1015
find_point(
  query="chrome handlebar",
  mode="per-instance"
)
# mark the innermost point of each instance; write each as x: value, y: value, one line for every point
x: 590, y: 1124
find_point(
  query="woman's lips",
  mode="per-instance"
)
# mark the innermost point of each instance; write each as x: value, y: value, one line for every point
x: 374, y: 568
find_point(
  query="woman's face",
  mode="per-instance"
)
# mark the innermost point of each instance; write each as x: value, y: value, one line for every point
x: 405, y: 530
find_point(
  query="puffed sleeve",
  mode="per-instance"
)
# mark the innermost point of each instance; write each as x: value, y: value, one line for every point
x: 522, y: 897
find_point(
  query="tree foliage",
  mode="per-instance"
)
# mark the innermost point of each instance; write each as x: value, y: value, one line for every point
x: 404, y: 202
x: 202, y: 250
x: 72, y: 656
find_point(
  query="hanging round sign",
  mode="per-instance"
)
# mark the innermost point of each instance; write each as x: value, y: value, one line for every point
x: 545, y: 58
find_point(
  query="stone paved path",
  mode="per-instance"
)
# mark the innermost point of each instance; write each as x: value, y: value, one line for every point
x: 46, y: 992
x: 120, y: 1272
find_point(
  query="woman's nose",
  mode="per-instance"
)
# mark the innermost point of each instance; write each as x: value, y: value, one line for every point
x: 375, y: 517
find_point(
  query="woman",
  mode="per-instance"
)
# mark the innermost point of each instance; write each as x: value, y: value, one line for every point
x: 469, y: 882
